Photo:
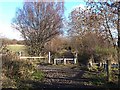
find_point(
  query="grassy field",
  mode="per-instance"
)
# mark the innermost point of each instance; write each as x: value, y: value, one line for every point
x: 22, y: 48
x: 17, y: 48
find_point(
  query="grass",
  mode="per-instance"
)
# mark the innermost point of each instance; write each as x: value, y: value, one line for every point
x: 37, y: 75
x: 17, y: 48
x: 99, y: 78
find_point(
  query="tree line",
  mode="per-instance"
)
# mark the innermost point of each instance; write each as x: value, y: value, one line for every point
x: 7, y: 41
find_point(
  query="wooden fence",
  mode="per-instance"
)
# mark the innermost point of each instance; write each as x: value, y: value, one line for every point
x: 24, y: 57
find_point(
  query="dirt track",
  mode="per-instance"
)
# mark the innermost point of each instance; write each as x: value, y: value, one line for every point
x: 63, y: 77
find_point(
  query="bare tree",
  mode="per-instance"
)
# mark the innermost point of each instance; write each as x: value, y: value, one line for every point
x: 86, y: 21
x: 39, y: 22
x: 87, y: 31
x: 110, y: 11
x: 109, y: 19
x: 94, y: 19
x: 98, y: 18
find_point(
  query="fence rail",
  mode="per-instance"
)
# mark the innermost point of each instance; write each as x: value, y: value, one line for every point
x: 64, y: 60
x: 31, y: 57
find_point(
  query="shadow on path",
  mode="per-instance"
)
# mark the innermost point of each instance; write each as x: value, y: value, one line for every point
x: 61, y: 78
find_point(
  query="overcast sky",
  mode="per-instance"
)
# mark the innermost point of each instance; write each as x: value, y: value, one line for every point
x: 8, y: 9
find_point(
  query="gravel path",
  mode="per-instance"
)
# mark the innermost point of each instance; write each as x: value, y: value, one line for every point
x: 63, y: 77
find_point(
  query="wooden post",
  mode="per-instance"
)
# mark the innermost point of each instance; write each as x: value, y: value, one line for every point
x: 20, y: 53
x: 108, y: 70
x: 54, y: 61
x: 75, y: 59
x: 104, y: 66
x: 49, y: 57
x: 100, y: 64
x: 64, y: 61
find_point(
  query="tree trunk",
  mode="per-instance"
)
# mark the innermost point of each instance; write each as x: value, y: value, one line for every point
x: 118, y: 28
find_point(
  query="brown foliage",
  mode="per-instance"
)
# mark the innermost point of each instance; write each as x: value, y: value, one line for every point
x: 56, y: 44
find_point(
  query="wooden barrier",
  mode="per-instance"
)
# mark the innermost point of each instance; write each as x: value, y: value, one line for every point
x: 39, y: 57
x: 57, y: 59
x: 65, y: 59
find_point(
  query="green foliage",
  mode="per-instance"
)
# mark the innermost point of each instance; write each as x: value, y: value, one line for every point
x: 98, y: 53
x: 37, y: 75
x: 98, y: 79
x: 105, y: 51
x: 114, y: 75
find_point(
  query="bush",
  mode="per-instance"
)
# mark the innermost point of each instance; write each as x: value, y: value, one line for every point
x: 83, y: 57
x: 98, y: 53
x: 15, y: 71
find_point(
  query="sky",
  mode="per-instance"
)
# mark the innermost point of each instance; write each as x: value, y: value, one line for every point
x: 8, y: 9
